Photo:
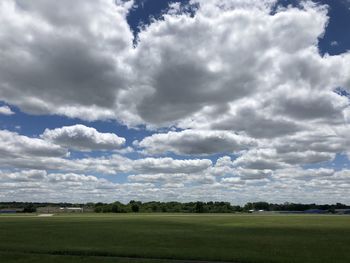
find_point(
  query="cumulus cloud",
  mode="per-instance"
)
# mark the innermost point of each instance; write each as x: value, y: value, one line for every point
x: 327, y: 106
x: 270, y: 159
x: 80, y: 137
x: 174, y: 180
x: 85, y: 65
x: 23, y: 176
x: 169, y: 165
x: 259, y: 160
x: 6, y: 110
x: 158, y: 178
x: 264, y: 97
x: 42, y: 186
x: 13, y: 145
x: 195, y: 142
x: 253, y: 174
x: 193, y: 80
x: 63, y: 62
x: 232, y: 181
x: 248, y: 119
x: 22, y: 152
x: 305, y: 174
x: 297, y: 185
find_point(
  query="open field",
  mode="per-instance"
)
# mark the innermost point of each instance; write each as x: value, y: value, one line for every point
x: 161, y: 237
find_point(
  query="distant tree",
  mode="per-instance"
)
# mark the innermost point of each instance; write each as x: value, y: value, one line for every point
x: 154, y: 208
x: 236, y: 208
x: 189, y: 207
x: 115, y: 208
x: 135, y: 208
x: 98, y: 209
x: 248, y: 206
x: 29, y: 208
x: 261, y: 206
x: 106, y: 208
x: 199, y: 207
x: 340, y: 206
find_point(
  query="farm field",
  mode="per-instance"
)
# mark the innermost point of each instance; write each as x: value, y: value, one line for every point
x: 184, y: 237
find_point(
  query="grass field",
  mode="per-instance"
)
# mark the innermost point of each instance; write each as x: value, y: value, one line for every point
x: 161, y: 237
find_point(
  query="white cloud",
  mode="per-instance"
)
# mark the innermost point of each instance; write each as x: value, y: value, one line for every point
x: 71, y: 177
x: 230, y: 76
x: 232, y: 181
x: 80, y: 137
x: 169, y: 165
x: 22, y: 152
x: 13, y: 145
x: 181, y: 82
x: 270, y: 159
x: 294, y: 185
x: 253, y: 174
x: 159, y: 83
x: 249, y: 118
x: 262, y: 159
x: 6, y: 110
x: 65, y: 64
x: 334, y: 43
x: 158, y: 178
x: 23, y: 176
x: 195, y: 142
x: 171, y: 179
x: 305, y: 174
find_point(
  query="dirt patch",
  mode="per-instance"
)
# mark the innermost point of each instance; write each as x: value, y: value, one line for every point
x: 45, y: 215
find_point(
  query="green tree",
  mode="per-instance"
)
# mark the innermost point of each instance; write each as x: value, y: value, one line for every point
x: 135, y: 208
x: 199, y: 207
x: 29, y: 208
x: 115, y: 208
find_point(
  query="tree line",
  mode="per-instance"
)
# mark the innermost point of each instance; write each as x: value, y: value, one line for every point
x: 176, y: 207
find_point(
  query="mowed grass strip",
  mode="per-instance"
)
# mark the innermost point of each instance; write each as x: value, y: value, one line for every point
x: 235, y: 238
x: 13, y: 257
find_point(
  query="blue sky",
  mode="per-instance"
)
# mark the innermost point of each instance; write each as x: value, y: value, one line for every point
x: 180, y: 100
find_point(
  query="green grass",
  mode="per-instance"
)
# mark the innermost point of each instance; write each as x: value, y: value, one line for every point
x: 236, y: 238
x: 33, y: 258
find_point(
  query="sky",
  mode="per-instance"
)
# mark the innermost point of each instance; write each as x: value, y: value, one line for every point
x: 192, y: 100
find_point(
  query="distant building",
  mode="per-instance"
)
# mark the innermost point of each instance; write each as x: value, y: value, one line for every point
x: 342, y: 211
x: 11, y: 210
x: 48, y: 210
x: 256, y: 211
x: 315, y: 211
x: 54, y: 209
x: 72, y: 209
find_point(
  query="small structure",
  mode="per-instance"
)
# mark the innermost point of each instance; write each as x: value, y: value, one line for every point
x: 11, y: 210
x: 72, y: 209
x: 48, y: 210
x: 56, y: 209
x: 315, y: 211
x: 342, y: 211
